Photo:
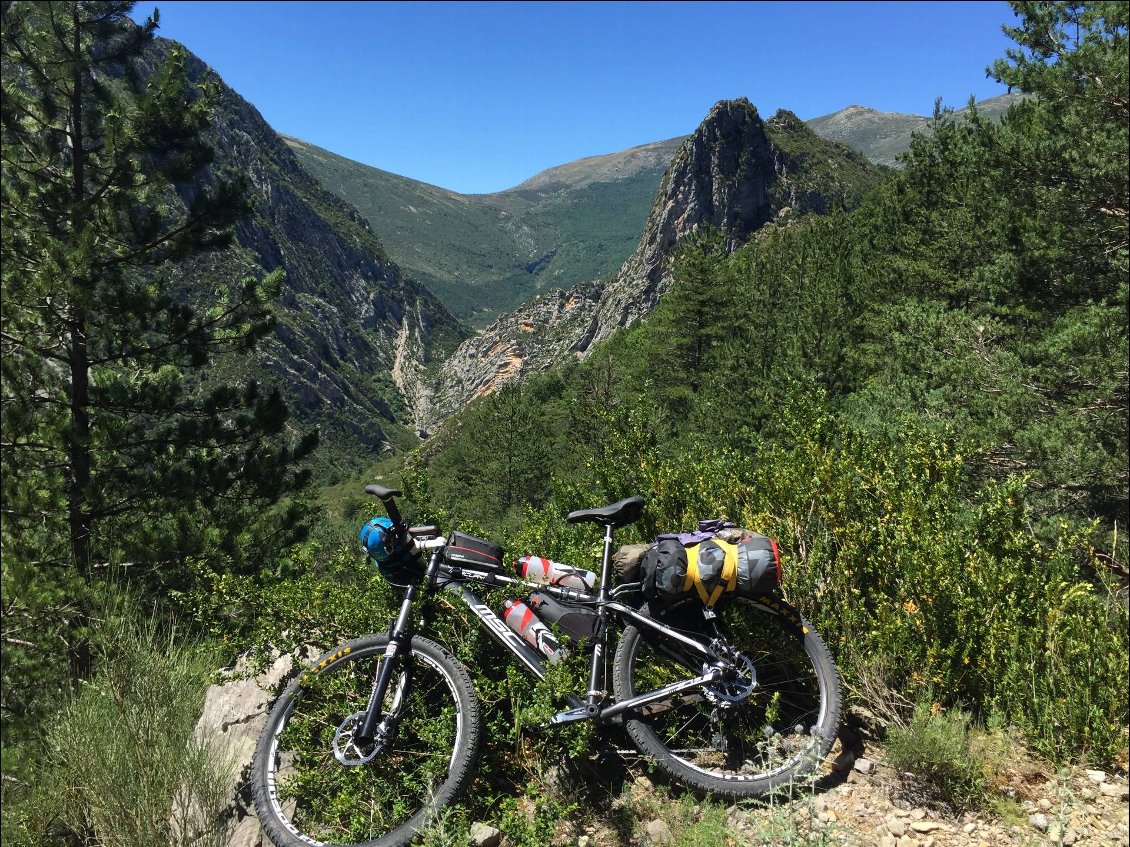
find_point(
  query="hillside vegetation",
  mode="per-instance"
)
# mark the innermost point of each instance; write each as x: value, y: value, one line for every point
x: 924, y: 399
x: 483, y: 254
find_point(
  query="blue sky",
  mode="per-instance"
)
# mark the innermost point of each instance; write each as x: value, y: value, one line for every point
x: 477, y: 97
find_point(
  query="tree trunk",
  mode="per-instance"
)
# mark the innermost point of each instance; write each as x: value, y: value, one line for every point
x: 78, y: 441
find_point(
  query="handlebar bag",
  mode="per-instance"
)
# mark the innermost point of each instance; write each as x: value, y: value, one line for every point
x: 467, y: 551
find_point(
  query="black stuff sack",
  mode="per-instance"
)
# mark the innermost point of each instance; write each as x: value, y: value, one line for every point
x: 664, y: 570
x: 467, y: 551
x: 579, y: 623
x: 748, y: 566
x: 759, y: 566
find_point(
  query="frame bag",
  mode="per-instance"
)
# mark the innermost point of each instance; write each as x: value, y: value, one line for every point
x: 579, y: 623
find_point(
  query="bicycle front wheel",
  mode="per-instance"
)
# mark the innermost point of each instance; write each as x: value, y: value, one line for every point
x: 304, y: 796
x: 734, y: 746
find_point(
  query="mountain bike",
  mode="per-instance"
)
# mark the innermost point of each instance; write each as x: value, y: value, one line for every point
x: 736, y: 699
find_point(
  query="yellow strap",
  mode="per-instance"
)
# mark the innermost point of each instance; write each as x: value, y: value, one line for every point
x: 692, y: 577
x: 729, y: 576
x: 728, y: 579
x: 730, y: 566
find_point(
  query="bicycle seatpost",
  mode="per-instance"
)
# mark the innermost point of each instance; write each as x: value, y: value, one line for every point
x: 595, y: 695
x: 606, y: 561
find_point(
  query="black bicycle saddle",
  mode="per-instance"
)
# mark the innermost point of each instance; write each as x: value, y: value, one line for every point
x: 617, y: 515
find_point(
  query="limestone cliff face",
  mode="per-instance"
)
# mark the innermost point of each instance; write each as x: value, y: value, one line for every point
x: 355, y: 335
x: 721, y: 177
x: 539, y: 334
x: 731, y: 174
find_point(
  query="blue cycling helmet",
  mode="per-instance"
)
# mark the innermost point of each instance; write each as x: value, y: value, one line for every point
x: 378, y: 539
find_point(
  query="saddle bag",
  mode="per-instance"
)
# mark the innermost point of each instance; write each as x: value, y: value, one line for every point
x: 749, y: 566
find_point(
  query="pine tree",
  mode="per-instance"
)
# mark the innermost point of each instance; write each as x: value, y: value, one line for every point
x: 998, y: 261
x: 122, y: 444
x: 687, y: 329
x: 1073, y: 57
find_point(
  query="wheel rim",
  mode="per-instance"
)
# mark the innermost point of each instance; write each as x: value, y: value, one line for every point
x: 321, y: 801
x: 777, y: 729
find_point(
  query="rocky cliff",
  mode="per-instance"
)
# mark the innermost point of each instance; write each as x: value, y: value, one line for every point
x: 736, y: 172
x: 536, y: 336
x: 355, y: 336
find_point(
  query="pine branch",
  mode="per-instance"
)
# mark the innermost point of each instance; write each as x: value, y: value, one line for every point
x: 45, y: 352
x: 138, y: 352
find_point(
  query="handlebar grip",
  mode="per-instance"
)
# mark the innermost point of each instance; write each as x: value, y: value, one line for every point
x: 386, y: 496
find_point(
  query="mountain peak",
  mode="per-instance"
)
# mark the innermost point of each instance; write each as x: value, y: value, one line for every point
x: 729, y: 106
x: 735, y: 173
x: 786, y: 120
x: 883, y: 136
x: 603, y: 168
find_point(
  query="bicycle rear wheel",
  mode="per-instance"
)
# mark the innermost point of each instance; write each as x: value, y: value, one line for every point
x: 305, y: 796
x: 735, y: 747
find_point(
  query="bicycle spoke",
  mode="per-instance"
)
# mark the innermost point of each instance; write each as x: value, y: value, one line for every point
x: 737, y: 736
x: 325, y: 800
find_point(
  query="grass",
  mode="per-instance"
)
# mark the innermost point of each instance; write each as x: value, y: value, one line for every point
x: 120, y: 764
x: 712, y: 823
x: 937, y: 751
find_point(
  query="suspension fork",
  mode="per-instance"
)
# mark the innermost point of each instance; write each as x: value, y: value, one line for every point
x: 399, y: 643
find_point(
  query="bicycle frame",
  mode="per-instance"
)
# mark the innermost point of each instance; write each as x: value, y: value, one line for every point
x: 737, y: 700
x: 377, y: 726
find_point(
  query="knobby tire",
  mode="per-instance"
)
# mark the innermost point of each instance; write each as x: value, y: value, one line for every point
x: 777, y: 735
x: 304, y: 796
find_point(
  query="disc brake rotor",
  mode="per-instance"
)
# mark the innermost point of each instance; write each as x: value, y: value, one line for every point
x: 736, y: 686
x: 349, y: 752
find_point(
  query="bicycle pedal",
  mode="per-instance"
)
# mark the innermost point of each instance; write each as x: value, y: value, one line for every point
x: 570, y: 716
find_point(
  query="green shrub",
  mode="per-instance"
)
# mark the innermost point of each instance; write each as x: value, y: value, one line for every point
x: 899, y: 557
x: 935, y: 748
x: 121, y: 766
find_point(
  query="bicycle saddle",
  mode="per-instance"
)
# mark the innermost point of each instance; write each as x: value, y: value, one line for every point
x: 617, y: 515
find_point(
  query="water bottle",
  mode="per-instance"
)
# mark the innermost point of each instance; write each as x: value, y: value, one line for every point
x: 522, y: 619
x: 546, y: 572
